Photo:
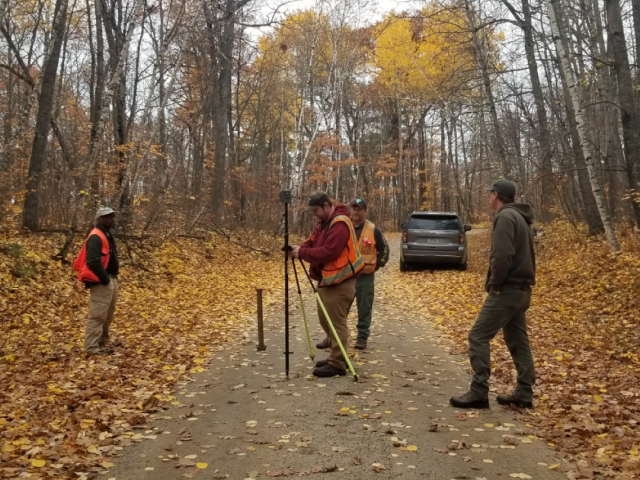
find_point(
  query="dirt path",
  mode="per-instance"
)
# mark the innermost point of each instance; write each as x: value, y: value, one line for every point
x: 244, y: 419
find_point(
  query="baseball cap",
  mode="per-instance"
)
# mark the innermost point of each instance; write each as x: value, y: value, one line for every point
x: 504, y: 187
x: 318, y: 199
x: 104, y: 211
x: 359, y: 202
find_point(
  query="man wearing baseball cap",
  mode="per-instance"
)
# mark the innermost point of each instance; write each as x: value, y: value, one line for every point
x: 511, y: 275
x: 335, y: 262
x: 98, y: 267
x: 375, y: 251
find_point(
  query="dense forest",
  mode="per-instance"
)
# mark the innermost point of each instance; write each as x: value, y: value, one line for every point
x: 191, y: 115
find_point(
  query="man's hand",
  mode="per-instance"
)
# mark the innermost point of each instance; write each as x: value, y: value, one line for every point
x: 293, y: 253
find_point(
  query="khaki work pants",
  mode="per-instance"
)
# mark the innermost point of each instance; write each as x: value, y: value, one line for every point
x: 102, y: 306
x: 337, y: 300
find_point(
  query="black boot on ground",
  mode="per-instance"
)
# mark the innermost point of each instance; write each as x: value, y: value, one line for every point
x: 469, y: 400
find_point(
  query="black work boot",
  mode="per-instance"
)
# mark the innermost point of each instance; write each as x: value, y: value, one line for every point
x: 361, y: 344
x: 514, y: 400
x: 328, y: 370
x: 322, y: 363
x: 470, y: 400
x: 326, y: 343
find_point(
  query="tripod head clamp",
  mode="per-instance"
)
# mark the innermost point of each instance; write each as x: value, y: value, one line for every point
x: 285, y: 196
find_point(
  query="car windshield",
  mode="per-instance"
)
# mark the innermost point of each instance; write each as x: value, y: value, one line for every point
x: 434, y: 222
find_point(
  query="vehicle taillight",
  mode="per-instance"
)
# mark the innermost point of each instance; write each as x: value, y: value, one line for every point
x: 405, y: 236
x: 461, y: 238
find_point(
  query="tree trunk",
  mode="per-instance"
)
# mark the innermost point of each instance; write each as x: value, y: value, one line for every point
x: 498, y: 139
x: 629, y: 116
x: 572, y: 85
x: 635, y: 5
x: 38, y: 159
x: 542, y: 130
x: 422, y: 166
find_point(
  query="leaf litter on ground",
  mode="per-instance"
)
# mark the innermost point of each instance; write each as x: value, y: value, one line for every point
x: 170, y: 325
x: 583, y: 323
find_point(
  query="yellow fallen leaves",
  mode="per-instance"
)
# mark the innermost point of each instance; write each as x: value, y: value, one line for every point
x: 168, y: 323
x: 584, y: 315
x: 38, y: 463
x: 412, y: 448
x: 202, y: 466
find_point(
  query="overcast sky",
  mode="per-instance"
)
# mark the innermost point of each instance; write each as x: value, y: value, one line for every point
x: 377, y: 10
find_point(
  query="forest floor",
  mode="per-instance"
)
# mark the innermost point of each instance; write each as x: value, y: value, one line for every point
x: 189, y: 367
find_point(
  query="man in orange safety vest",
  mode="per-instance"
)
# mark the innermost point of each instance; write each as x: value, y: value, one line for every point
x: 97, y: 266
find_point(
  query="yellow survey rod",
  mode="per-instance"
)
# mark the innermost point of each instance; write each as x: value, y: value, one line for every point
x: 306, y: 327
x: 335, y: 334
x: 304, y: 314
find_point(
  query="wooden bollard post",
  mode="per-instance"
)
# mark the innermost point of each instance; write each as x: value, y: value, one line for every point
x: 261, y: 346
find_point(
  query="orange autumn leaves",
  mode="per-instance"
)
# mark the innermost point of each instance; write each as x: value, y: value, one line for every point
x: 62, y: 413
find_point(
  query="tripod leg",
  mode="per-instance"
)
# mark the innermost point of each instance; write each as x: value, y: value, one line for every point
x: 335, y: 334
x: 306, y: 327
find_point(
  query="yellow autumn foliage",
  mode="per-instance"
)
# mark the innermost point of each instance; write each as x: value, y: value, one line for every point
x: 425, y: 57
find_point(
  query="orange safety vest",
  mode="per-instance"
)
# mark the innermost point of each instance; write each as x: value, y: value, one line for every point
x: 348, y: 264
x: 367, y: 247
x: 80, y: 264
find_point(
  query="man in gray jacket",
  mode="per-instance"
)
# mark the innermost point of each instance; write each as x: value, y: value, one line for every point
x: 511, y: 275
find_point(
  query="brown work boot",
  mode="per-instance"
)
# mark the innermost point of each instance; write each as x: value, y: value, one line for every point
x: 328, y: 370
x: 326, y: 343
x: 361, y: 344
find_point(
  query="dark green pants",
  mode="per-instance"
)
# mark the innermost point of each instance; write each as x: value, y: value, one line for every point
x: 365, y: 291
x: 504, y: 312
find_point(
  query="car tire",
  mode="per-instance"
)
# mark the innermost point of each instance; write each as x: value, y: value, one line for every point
x: 404, y: 266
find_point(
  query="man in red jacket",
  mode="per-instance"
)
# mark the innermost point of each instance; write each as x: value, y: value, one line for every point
x: 335, y: 263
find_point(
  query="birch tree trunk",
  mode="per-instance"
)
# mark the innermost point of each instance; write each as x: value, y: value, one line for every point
x: 563, y: 61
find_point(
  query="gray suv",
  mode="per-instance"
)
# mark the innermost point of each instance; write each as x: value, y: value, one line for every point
x: 434, y: 238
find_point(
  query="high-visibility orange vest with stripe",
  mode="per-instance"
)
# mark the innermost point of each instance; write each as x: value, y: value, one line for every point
x: 80, y: 264
x: 367, y: 247
x: 349, y: 263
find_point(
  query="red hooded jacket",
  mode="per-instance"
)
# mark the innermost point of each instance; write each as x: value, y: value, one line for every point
x: 327, y: 244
